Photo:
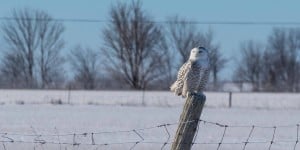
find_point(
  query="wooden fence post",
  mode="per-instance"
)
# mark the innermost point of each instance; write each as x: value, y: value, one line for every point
x: 230, y: 99
x: 69, y: 94
x: 188, y: 122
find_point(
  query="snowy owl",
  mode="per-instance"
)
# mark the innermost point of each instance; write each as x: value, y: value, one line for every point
x: 193, y: 74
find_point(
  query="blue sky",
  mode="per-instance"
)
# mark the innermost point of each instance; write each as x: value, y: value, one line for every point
x: 228, y: 37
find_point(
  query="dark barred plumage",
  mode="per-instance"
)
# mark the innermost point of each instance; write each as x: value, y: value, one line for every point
x: 192, y: 77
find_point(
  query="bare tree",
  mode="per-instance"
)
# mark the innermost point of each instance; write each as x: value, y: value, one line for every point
x: 282, y: 69
x: 217, y: 60
x: 85, y: 63
x: 12, y: 71
x: 250, y: 66
x: 49, y: 59
x: 183, y: 36
x: 134, y: 46
x: 34, y: 42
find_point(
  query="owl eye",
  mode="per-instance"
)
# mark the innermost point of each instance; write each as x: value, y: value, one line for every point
x: 200, y: 51
x: 201, y: 47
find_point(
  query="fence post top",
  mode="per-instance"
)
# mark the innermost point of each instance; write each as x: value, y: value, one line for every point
x: 198, y: 96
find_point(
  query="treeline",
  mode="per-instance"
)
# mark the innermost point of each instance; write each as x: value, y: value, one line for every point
x: 274, y: 66
x: 135, y: 53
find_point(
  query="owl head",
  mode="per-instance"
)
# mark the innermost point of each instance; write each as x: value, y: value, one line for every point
x: 198, y: 53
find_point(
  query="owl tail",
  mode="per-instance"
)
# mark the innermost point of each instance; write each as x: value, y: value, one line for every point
x: 174, y: 88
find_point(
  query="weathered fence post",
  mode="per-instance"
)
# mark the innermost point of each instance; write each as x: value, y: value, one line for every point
x: 188, y: 122
x: 230, y: 99
x: 69, y: 94
x: 143, y: 98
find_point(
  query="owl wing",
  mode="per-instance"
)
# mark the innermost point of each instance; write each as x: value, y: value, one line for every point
x: 204, y: 75
x: 178, y: 85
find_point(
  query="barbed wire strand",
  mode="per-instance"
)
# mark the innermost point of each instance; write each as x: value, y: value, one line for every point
x: 149, y: 142
x: 39, y: 139
x: 93, y: 140
x: 297, y: 141
x: 152, y: 127
x: 169, y: 136
x: 35, y: 134
x: 197, y: 130
x: 58, y: 138
x: 248, y: 138
x: 273, y: 136
x: 3, y: 145
x: 141, y: 139
x: 222, y: 138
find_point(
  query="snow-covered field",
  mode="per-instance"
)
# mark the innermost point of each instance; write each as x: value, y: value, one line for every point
x: 122, y: 111
x: 149, y: 98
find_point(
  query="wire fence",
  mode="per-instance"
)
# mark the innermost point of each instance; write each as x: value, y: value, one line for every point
x: 148, y: 98
x: 140, y: 138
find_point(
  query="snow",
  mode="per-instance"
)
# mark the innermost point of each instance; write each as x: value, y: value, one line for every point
x: 149, y: 98
x: 51, y: 119
x: 118, y: 111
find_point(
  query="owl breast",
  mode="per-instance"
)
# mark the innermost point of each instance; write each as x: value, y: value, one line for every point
x: 197, y: 77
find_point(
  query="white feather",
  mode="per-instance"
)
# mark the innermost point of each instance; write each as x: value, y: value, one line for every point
x: 192, y: 75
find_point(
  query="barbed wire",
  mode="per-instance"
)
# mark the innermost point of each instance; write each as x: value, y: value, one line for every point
x: 57, y: 138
